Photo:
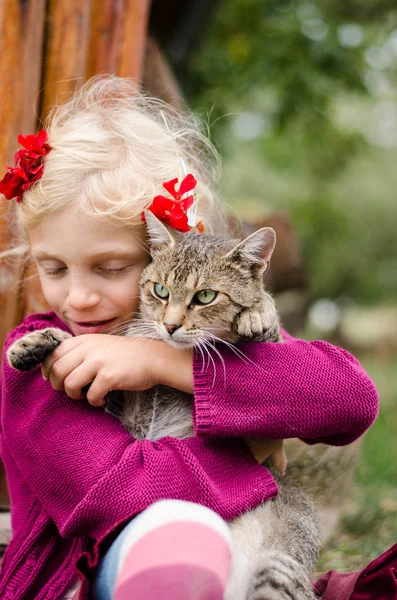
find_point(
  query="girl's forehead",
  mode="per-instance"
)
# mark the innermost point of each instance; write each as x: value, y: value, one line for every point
x: 74, y: 233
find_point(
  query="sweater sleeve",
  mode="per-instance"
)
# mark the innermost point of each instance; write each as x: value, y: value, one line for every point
x: 89, y: 474
x: 309, y: 390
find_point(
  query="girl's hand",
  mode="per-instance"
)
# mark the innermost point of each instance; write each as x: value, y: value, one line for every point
x: 108, y: 362
x: 271, y: 450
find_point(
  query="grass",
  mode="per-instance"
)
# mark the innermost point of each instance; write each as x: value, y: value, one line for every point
x: 369, y: 522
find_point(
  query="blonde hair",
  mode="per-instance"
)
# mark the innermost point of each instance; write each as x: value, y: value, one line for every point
x: 112, y: 147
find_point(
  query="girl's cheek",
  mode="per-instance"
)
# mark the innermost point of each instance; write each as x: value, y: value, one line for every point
x: 50, y: 294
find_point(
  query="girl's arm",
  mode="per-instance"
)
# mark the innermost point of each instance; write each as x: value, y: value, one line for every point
x: 311, y: 390
x: 89, y: 474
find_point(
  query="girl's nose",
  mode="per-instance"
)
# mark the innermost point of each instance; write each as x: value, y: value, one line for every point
x: 81, y: 297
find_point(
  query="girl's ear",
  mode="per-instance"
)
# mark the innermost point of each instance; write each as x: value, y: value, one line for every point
x: 159, y: 235
x: 256, y: 249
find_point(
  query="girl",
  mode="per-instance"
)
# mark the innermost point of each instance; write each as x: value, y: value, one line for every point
x: 76, y: 478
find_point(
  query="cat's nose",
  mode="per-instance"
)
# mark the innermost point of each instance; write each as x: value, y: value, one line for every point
x: 171, y: 327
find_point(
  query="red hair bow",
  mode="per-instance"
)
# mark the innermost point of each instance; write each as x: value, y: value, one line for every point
x: 173, y: 211
x: 28, y: 165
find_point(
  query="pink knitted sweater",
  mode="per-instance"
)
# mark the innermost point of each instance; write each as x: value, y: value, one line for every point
x: 75, y: 474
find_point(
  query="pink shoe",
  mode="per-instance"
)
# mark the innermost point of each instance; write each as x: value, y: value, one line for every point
x: 184, y: 559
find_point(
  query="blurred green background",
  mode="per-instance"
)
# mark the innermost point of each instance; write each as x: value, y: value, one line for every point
x: 301, y: 101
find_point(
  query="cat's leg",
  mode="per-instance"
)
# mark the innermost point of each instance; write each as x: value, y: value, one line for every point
x: 278, y: 544
x: 260, y: 322
x: 290, y: 547
x: 30, y: 350
x: 280, y: 577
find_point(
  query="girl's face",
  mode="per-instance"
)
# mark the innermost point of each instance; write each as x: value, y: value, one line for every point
x: 89, y: 269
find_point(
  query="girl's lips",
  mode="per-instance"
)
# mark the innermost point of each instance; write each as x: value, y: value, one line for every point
x: 92, y: 327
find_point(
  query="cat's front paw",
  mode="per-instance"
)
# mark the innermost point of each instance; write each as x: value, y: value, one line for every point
x: 260, y: 324
x: 251, y: 323
x: 30, y: 350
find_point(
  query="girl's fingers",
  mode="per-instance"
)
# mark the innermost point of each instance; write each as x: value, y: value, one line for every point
x: 279, y: 459
x: 60, y: 368
x: 57, y: 354
x: 97, y: 391
x: 77, y: 383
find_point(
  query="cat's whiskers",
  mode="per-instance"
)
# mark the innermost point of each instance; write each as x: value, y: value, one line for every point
x: 119, y: 329
x: 205, y: 351
x: 236, y: 351
x: 125, y: 321
x: 144, y: 328
x: 147, y: 335
x: 205, y: 344
x: 197, y: 344
x: 126, y: 325
x: 220, y: 358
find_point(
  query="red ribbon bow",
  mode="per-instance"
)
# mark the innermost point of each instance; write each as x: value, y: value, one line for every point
x: 173, y: 211
x: 28, y: 165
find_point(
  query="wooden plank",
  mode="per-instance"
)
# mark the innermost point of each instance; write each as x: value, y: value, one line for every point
x: 135, y: 23
x: 10, y: 76
x: 106, y: 30
x: 66, y: 50
x: 32, y: 28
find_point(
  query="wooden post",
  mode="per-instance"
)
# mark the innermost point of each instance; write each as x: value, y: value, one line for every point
x: 66, y: 50
x: 118, y: 37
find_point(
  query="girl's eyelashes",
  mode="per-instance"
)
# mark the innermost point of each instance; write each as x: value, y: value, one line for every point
x: 54, y: 272
x: 57, y: 272
x: 113, y: 272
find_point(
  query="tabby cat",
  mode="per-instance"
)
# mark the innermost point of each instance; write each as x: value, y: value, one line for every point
x: 199, y: 289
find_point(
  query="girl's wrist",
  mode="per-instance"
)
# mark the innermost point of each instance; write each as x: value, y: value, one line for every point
x: 174, y: 368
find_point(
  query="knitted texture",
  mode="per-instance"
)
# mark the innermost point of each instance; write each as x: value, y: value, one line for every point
x: 75, y: 474
x: 308, y: 390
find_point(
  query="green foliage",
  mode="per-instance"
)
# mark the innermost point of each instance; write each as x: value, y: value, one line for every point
x: 312, y: 85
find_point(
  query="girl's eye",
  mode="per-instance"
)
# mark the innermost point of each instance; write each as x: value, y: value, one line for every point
x: 204, y: 297
x: 54, y: 272
x: 113, y: 272
x: 60, y: 270
x: 161, y: 291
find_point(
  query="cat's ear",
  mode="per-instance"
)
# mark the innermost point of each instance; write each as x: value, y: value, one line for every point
x: 256, y: 249
x: 159, y: 235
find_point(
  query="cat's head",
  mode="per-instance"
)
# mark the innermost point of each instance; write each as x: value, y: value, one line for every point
x: 197, y: 284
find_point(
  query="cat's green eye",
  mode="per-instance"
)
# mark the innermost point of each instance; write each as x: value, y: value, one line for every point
x: 161, y: 291
x: 205, y: 297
